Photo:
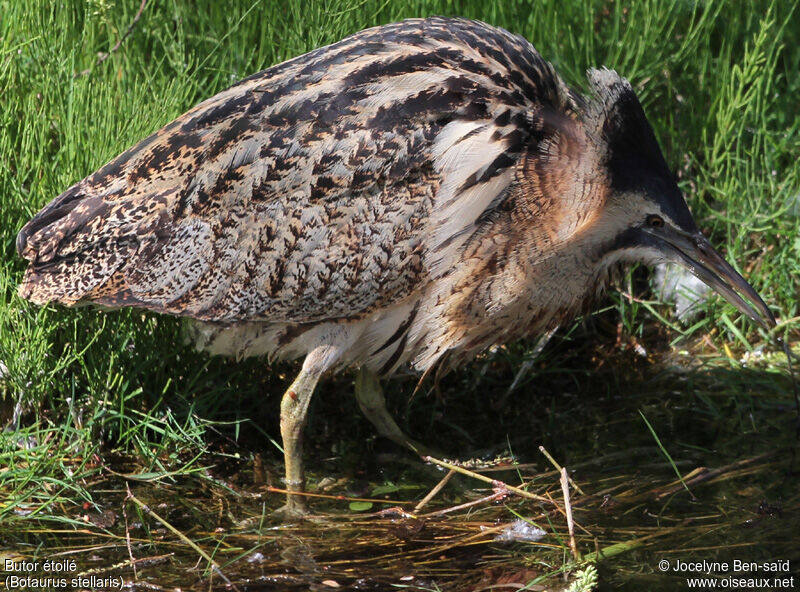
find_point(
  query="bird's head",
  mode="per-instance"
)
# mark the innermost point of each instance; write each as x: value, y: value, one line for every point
x: 643, y: 210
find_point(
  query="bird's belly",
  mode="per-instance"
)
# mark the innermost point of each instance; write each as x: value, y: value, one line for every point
x: 373, y: 339
x: 481, y: 310
x: 468, y: 317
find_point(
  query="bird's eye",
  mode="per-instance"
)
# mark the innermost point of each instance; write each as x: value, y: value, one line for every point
x: 655, y: 221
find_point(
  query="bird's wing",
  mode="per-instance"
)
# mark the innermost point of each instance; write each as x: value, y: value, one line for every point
x: 320, y: 188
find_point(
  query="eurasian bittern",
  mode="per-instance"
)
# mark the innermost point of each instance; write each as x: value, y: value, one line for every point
x: 423, y: 188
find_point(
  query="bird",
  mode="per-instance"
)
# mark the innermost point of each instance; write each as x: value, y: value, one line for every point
x: 406, y: 197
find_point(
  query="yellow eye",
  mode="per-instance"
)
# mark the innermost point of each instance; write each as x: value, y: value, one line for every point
x: 655, y: 221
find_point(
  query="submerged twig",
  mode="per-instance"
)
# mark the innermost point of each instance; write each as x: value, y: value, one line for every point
x: 559, y: 468
x: 433, y: 492
x: 143, y: 561
x: 479, y: 477
x: 568, y: 509
x: 563, y: 512
x: 702, y: 474
x: 342, y: 498
x: 128, y: 535
x: 619, y: 548
x: 498, y: 494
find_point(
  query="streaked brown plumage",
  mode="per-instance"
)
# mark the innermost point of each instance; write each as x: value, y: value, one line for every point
x: 421, y: 189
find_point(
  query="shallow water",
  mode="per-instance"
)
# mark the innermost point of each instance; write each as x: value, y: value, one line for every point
x: 729, y: 430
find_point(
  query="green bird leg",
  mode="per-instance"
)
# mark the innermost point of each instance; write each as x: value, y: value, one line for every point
x: 369, y: 395
x: 294, y: 410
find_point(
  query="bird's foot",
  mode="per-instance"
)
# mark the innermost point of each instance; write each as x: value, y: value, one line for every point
x: 291, y: 511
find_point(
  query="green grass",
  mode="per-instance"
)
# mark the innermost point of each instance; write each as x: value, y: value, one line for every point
x: 718, y: 83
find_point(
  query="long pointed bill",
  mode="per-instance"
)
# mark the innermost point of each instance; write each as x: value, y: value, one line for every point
x: 695, y: 253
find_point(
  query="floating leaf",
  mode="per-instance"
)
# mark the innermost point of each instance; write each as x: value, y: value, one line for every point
x: 360, y: 506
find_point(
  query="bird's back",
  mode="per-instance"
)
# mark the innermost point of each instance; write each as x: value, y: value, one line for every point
x: 328, y: 186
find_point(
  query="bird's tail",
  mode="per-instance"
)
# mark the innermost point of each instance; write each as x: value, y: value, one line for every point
x: 69, y: 259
